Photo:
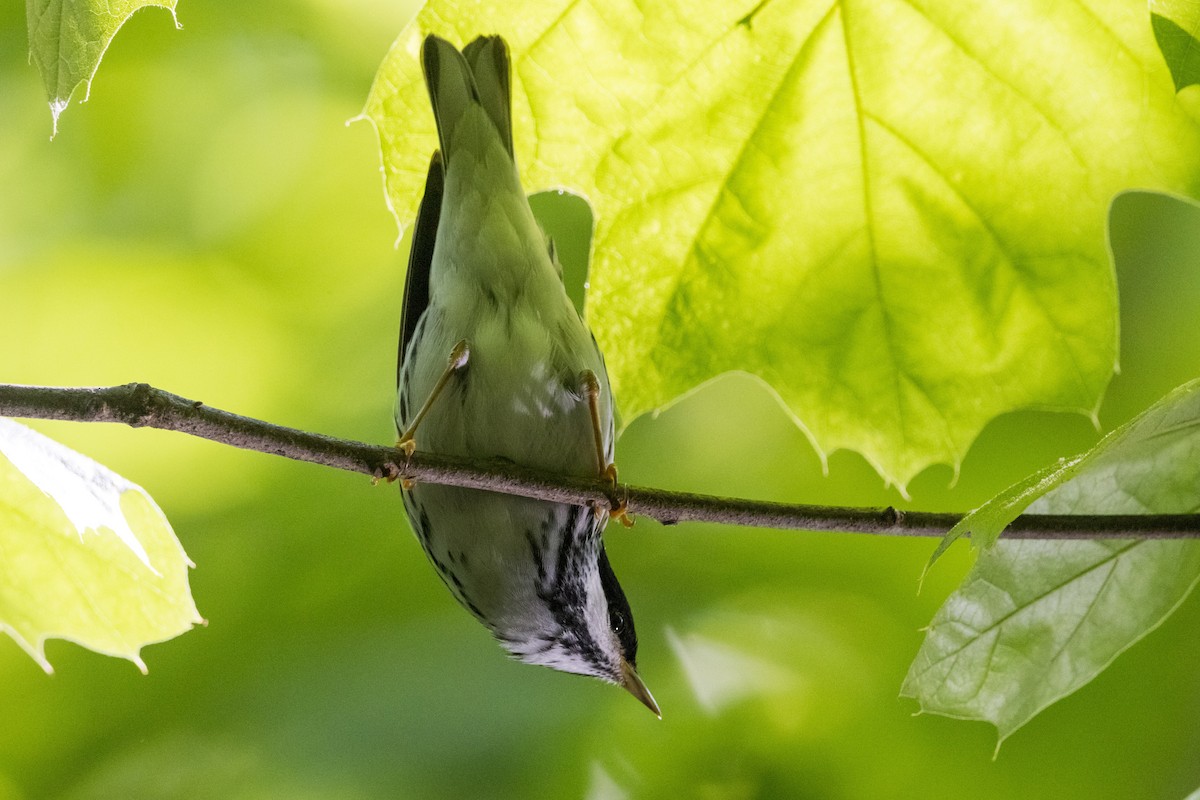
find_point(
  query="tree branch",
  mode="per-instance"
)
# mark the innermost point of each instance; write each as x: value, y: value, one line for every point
x: 141, y: 405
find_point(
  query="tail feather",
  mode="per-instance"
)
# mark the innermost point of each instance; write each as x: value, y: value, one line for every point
x: 488, y: 58
x: 479, y: 75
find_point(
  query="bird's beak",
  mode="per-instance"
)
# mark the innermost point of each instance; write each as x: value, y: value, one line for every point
x: 633, y: 684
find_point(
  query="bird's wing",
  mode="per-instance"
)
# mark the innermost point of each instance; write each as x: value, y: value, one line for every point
x: 420, y: 258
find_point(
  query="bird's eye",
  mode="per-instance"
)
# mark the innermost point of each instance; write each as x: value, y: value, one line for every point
x: 618, y: 621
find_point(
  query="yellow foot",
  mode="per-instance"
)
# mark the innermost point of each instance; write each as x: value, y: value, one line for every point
x: 619, y: 512
x: 407, y: 446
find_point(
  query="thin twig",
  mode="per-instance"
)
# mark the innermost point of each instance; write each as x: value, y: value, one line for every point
x: 141, y: 405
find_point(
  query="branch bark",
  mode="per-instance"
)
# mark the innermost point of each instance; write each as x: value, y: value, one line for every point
x: 141, y: 405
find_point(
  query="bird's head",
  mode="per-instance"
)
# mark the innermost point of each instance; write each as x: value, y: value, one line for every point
x: 586, y: 628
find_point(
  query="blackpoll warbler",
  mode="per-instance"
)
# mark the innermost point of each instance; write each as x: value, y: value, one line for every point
x: 503, y: 367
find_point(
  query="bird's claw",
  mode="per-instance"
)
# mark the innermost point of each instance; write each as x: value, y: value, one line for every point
x: 619, y: 508
x: 388, y: 473
x: 407, y: 446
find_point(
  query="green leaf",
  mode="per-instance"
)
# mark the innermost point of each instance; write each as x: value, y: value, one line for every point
x: 1036, y: 620
x: 67, y: 39
x: 1176, y: 25
x: 986, y: 523
x: 894, y: 213
x: 87, y: 555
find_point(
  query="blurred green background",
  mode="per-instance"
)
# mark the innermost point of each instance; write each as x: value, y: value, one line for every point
x: 209, y: 224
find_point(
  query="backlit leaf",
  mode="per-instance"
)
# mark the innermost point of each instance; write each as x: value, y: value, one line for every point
x: 67, y: 39
x: 85, y: 555
x: 892, y: 212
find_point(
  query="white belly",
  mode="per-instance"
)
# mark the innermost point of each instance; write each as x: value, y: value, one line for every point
x: 518, y: 398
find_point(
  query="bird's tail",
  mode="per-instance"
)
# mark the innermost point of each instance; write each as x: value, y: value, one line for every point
x: 479, y: 75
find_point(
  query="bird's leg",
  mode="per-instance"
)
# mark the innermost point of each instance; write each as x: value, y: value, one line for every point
x: 608, y: 471
x: 459, y: 356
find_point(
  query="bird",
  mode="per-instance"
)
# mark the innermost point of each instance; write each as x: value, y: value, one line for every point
x: 495, y: 362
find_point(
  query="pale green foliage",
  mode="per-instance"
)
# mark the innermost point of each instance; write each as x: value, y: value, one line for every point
x: 1034, y: 621
x: 893, y: 213
x: 87, y: 556
x: 67, y: 39
x: 1177, y: 27
x: 986, y: 523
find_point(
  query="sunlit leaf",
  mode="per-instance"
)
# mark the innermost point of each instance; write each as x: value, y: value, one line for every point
x: 85, y: 555
x: 67, y: 39
x: 1034, y: 621
x: 892, y: 212
x: 986, y: 523
x: 1176, y: 26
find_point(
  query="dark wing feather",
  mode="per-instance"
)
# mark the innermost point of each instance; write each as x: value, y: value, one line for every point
x: 420, y: 259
